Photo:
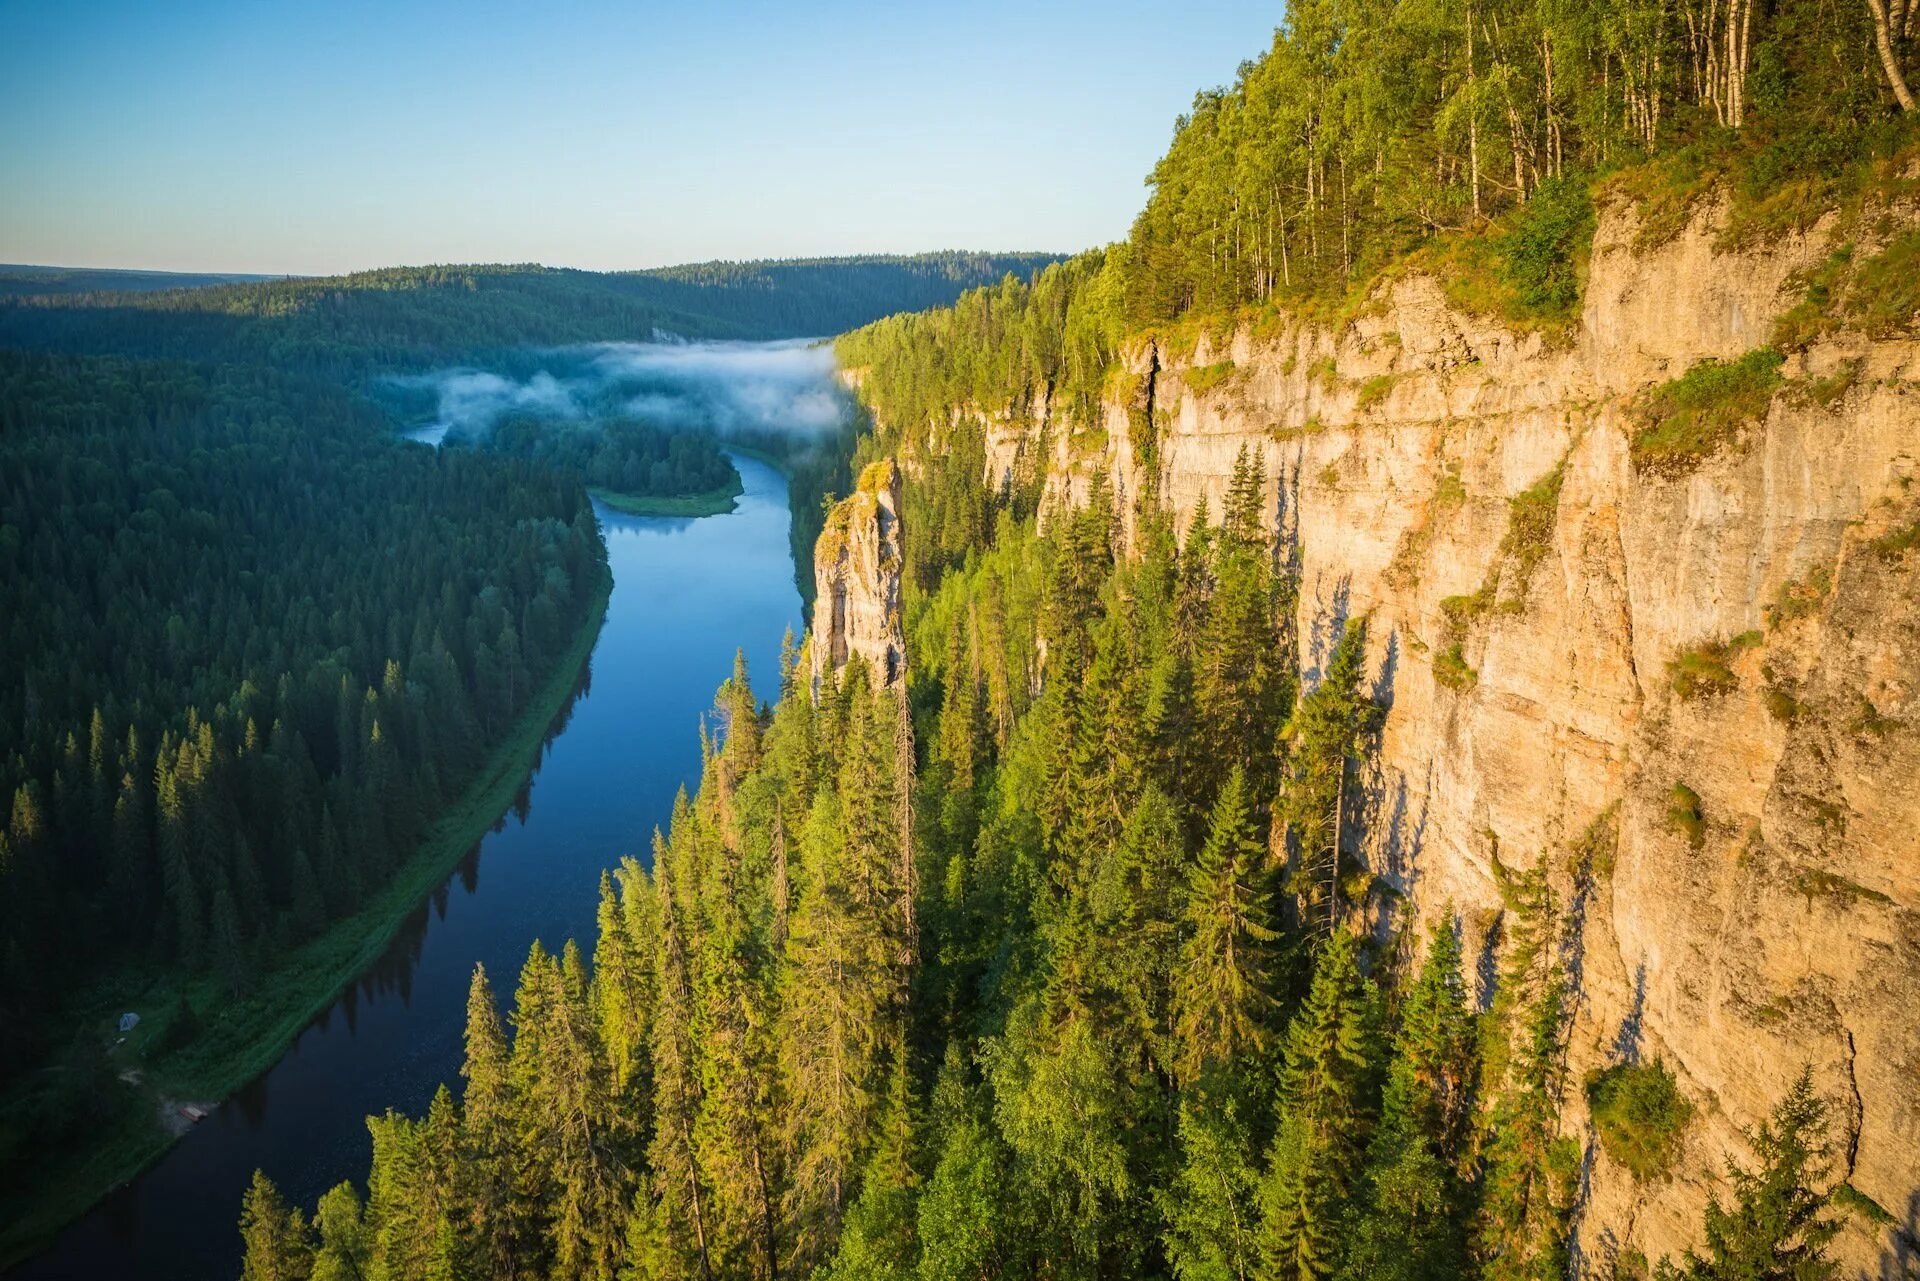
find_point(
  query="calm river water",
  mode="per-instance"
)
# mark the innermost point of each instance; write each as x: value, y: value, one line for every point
x: 686, y: 593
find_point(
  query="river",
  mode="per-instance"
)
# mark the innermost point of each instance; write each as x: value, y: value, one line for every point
x: 686, y: 593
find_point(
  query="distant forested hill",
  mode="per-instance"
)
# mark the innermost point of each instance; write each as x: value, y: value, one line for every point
x: 404, y: 317
x: 17, y: 280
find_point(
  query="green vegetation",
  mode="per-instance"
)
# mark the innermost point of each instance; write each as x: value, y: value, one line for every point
x: 996, y: 351
x: 1704, y: 411
x: 234, y: 771
x: 1685, y: 816
x: 1800, y: 598
x: 1706, y: 669
x: 1828, y: 391
x: 1374, y: 390
x: 1201, y: 379
x: 1778, y: 1225
x: 1451, y: 670
x: 1527, y: 542
x: 1818, y: 883
x: 1640, y: 1114
x: 631, y: 465
x: 1373, y: 129
x: 198, y: 1042
x: 1876, y: 294
x: 408, y: 318
x: 1780, y: 701
x: 1893, y: 547
x: 713, y: 502
x: 1854, y: 1201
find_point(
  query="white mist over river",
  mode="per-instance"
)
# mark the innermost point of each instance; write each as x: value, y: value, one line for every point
x: 731, y: 389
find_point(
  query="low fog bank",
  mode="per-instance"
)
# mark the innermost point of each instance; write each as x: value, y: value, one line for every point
x: 728, y: 388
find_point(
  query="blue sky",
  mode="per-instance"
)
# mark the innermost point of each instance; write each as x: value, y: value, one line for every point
x: 262, y: 136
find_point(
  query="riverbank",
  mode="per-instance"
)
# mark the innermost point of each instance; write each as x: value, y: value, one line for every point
x: 248, y: 1036
x: 713, y: 502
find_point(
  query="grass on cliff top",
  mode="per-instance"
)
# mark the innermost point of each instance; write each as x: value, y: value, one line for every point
x: 1774, y: 186
x: 1688, y: 420
x: 1527, y: 269
x: 225, y: 1042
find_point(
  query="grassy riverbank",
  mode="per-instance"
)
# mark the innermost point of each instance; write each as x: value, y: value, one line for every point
x: 713, y: 502
x: 237, y: 1040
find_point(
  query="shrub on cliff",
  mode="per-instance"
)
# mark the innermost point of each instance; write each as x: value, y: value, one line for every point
x: 1688, y: 420
x: 1639, y: 1114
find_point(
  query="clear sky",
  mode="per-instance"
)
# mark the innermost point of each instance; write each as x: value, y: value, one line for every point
x: 253, y: 135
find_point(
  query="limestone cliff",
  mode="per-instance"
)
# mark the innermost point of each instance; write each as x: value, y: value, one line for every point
x: 1529, y: 679
x: 856, y: 567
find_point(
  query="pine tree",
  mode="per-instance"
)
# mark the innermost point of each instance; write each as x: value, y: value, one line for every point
x: 1324, y: 1109
x: 278, y: 1243
x: 345, y: 1250
x: 1778, y: 1227
x: 487, y: 1134
x: 1220, y: 998
x: 1408, y: 1225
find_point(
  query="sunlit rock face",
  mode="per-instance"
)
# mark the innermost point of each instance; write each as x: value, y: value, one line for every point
x: 1788, y: 933
x: 856, y: 570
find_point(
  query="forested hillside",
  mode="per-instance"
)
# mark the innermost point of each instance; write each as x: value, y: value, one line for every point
x: 255, y: 648
x: 407, y: 318
x: 17, y: 280
x: 1061, y: 956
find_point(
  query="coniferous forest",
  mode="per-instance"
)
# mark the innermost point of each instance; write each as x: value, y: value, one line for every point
x: 258, y: 648
x: 627, y: 457
x: 1052, y: 957
x: 1019, y: 977
x: 259, y: 645
x: 1042, y: 963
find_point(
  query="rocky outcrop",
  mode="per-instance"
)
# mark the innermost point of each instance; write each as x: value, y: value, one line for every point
x: 856, y: 568
x: 1784, y: 928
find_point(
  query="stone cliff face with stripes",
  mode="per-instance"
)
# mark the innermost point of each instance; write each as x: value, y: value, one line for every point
x: 856, y: 568
x: 1573, y: 638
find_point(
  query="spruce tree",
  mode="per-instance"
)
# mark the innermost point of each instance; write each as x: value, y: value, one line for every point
x: 1221, y: 1000
x: 345, y: 1250
x: 487, y: 1134
x: 278, y: 1243
x: 878, y: 1241
x: 1778, y: 1227
x: 1411, y: 1198
x: 1320, y: 744
x: 1324, y: 1107
x: 1528, y: 1168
